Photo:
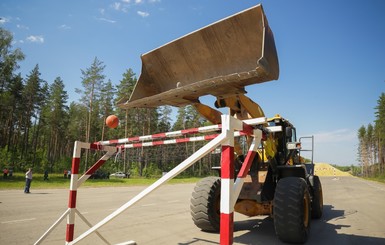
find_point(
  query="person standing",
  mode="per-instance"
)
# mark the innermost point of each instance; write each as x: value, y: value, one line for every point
x: 28, y: 180
x: 46, y: 174
x: 5, y: 173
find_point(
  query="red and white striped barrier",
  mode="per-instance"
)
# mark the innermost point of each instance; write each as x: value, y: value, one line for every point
x: 211, y: 128
x: 230, y: 128
x: 76, y: 182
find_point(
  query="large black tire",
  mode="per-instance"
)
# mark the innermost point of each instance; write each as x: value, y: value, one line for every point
x: 205, y: 204
x: 317, y: 202
x: 292, y: 210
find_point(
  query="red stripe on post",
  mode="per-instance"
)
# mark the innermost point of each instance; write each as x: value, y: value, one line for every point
x: 227, y: 229
x: 72, y: 199
x: 227, y: 162
x: 75, y: 165
x: 247, y: 129
x: 70, y: 233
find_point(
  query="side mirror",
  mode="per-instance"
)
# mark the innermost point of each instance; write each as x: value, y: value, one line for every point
x: 288, y: 132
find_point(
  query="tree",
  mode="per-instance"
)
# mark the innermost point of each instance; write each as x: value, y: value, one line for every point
x: 106, y: 102
x: 181, y: 119
x: 93, y: 82
x: 31, y: 97
x: 164, y: 124
x: 124, y: 91
x: 380, y: 130
x: 10, y: 87
x: 370, y: 146
x: 8, y: 59
x: 57, y: 121
x: 362, y: 150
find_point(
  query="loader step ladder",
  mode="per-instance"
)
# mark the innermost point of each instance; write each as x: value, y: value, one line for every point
x: 309, y: 147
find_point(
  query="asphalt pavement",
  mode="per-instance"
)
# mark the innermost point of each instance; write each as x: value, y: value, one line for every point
x: 353, y: 214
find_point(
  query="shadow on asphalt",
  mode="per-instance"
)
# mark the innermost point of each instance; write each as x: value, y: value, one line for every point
x: 261, y: 231
x: 39, y: 193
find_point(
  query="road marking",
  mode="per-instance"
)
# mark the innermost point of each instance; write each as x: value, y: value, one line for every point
x: 150, y: 204
x: 17, y: 221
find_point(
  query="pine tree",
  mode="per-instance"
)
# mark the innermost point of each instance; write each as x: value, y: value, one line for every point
x: 124, y: 91
x: 164, y: 124
x: 8, y: 59
x: 10, y: 87
x: 380, y: 130
x: 181, y: 119
x: 57, y: 121
x: 107, y: 108
x: 362, y: 150
x: 31, y: 99
x: 93, y: 82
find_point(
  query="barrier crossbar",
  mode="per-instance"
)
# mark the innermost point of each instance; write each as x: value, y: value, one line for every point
x: 206, y: 129
x: 230, y: 189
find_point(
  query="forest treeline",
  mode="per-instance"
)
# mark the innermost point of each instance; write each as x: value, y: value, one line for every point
x: 39, y: 125
x: 371, y: 147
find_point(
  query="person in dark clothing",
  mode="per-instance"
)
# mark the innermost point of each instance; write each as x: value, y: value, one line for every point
x: 28, y: 180
x: 46, y: 175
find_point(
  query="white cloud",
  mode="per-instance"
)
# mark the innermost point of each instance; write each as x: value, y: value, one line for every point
x: 126, y: 1
x: 35, y: 39
x: 22, y: 27
x: 139, y: 1
x: 107, y: 20
x: 338, y: 135
x: 119, y: 7
x: 143, y: 14
x: 64, y: 27
x: 3, y: 20
x: 102, y: 11
x: 116, y: 6
x: 154, y: 1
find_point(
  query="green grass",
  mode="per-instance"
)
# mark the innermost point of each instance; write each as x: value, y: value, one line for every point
x: 17, y: 181
x: 380, y: 178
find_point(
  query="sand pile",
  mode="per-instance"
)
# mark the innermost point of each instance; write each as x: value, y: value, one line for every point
x: 325, y: 169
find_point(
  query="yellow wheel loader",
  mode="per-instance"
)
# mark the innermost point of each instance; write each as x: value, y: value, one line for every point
x: 221, y: 59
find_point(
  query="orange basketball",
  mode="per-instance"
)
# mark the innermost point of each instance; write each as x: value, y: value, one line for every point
x: 112, y: 121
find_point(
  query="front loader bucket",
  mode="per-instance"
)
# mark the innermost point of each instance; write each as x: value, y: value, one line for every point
x: 219, y: 59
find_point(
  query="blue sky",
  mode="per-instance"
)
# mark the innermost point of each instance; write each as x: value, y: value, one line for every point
x: 331, y: 53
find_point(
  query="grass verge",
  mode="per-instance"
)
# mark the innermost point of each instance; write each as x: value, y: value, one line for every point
x: 17, y: 181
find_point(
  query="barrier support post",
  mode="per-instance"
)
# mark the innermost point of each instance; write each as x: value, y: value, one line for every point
x: 227, y: 180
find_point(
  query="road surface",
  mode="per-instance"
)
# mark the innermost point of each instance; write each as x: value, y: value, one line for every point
x: 354, y: 213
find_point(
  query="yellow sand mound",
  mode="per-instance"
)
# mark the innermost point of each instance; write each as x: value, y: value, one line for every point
x: 325, y: 169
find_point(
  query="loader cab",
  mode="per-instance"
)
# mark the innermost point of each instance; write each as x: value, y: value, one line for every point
x: 287, y: 136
